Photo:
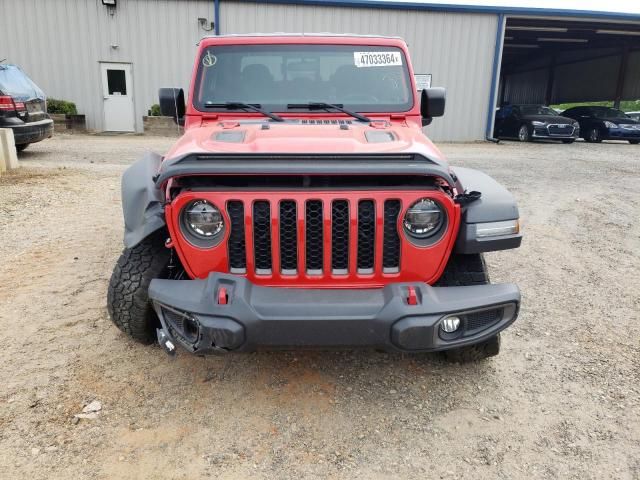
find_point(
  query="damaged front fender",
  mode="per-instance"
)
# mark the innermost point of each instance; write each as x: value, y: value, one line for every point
x: 142, y: 200
x: 493, y: 204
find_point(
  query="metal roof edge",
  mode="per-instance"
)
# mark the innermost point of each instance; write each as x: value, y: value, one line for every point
x: 400, y: 5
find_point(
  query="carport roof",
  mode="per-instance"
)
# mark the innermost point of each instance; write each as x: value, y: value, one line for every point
x: 613, y: 9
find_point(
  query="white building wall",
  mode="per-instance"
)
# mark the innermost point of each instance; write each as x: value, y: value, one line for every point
x: 59, y: 43
x: 65, y: 40
x: 456, y: 48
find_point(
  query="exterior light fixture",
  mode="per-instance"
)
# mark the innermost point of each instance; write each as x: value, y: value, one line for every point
x: 520, y: 45
x: 206, y: 26
x: 539, y: 29
x: 563, y: 40
x: 618, y: 32
x: 109, y: 3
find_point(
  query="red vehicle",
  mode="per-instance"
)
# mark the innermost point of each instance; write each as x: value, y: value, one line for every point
x: 304, y: 207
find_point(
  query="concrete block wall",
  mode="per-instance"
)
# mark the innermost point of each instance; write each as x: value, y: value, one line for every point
x: 161, y: 126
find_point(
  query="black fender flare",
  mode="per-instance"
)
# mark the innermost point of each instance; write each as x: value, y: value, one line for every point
x: 142, y: 200
x: 496, y: 204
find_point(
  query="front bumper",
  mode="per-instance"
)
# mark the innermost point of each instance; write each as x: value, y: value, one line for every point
x: 556, y: 132
x: 32, y: 132
x: 622, y: 134
x: 229, y: 313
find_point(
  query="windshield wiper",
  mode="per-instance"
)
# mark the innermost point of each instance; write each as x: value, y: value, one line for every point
x: 328, y: 106
x: 245, y: 106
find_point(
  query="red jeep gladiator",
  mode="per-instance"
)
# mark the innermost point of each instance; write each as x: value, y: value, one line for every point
x: 304, y: 207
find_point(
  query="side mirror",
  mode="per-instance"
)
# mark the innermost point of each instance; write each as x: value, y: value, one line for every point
x: 432, y: 104
x: 172, y: 104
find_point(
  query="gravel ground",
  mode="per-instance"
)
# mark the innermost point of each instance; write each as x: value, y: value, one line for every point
x: 560, y: 401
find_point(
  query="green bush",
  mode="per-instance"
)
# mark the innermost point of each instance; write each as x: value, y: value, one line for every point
x: 154, y: 111
x: 61, y: 106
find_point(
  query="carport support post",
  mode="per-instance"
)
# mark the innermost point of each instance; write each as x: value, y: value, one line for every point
x: 622, y: 72
x: 216, y: 16
x: 495, y: 77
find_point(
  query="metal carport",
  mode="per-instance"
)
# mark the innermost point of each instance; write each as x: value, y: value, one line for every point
x: 555, y: 61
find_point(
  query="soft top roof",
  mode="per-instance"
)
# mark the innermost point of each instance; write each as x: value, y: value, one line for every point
x: 302, y: 38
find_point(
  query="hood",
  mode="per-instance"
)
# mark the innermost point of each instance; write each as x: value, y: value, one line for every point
x: 318, y: 136
x: 549, y: 119
x: 620, y: 121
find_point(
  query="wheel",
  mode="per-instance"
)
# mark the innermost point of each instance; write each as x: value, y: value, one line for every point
x: 474, y: 353
x: 127, y: 297
x: 464, y: 270
x: 21, y: 147
x: 523, y: 134
x: 634, y: 142
x: 568, y: 141
x: 594, y: 136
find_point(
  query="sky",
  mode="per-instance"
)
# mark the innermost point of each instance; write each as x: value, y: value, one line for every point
x: 617, y: 6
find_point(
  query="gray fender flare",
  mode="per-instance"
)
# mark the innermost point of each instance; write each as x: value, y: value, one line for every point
x: 496, y: 204
x: 142, y: 201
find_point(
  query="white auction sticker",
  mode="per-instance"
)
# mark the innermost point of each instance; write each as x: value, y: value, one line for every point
x: 377, y: 59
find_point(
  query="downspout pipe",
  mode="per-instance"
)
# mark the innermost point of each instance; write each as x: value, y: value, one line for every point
x: 216, y: 16
x: 497, y: 55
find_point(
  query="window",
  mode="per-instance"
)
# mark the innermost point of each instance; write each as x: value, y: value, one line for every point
x: 359, y: 77
x: 14, y: 82
x: 116, y: 82
x: 536, y: 110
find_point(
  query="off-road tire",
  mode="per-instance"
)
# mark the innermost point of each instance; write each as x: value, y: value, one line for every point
x: 474, y: 353
x: 21, y: 147
x: 465, y: 270
x: 127, y: 298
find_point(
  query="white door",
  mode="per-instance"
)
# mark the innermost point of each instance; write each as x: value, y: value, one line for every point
x: 117, y: 93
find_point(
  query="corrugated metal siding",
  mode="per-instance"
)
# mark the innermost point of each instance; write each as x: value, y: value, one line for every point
x: 592, y: 80
x: 579, y: 81
x: 526, y: 87
x: 632, y: 78
x: 65, y: 39
x: 457, y: 49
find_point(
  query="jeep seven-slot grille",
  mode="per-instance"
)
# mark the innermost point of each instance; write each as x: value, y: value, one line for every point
x: 313, y: 235
x: 237, y: 250
x: 288, y: 237
x: 366, y: 235
x: 262, y: 236
x: 306, y: 226
x: 391, y: 249
x: 340, y: 236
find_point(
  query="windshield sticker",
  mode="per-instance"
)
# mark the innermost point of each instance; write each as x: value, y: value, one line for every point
x: 377, y: 59
x: 209, y: 60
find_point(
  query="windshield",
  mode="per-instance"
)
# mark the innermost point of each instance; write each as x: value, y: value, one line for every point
x: 15, y: 83
x: 606, y: 112
x: 359, y: 78
x: 537, y: 110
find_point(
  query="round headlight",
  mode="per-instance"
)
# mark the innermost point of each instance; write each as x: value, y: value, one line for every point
x: 203, y: 219
x: 423, y: 218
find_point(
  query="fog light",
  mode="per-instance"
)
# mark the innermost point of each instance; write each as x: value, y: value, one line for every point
x: 450, y: 324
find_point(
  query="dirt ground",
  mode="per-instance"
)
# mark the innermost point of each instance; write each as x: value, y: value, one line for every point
x: 560, y: 401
